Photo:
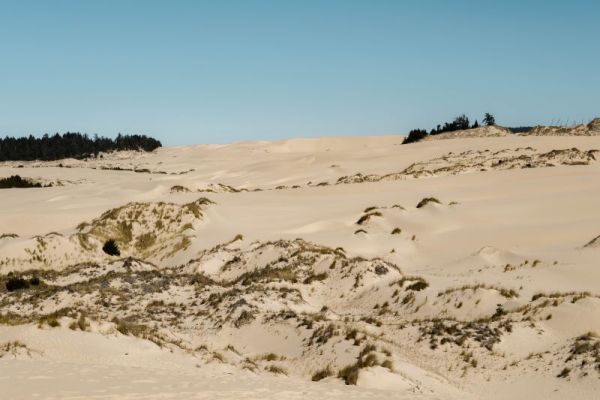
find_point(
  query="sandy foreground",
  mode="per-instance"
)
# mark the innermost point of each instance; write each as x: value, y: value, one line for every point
x: 249, y: 270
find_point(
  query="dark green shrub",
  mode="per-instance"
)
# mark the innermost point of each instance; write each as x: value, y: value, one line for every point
x: 111, y: 248
x: 414, y: 136
x: 16, y: 181
x: 16, y: 284
x: 417, y: 286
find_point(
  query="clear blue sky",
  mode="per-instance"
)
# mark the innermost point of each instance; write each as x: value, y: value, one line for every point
x: 220, y: 71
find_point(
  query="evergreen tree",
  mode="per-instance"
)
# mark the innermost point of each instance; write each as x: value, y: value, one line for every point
x: 414, y: 136
x: 489, y: 119
x: 69, y: 144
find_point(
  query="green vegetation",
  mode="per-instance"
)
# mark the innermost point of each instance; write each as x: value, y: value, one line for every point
x: 17, y: 283
x: 16, y: 181
x: 459, y: 123
x: 70, y: 145
x: 110, y: 247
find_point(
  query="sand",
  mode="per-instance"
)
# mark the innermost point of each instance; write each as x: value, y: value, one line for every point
x: 488, y: 292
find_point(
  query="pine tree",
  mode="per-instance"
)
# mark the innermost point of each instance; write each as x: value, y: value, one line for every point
x: 489, y: 119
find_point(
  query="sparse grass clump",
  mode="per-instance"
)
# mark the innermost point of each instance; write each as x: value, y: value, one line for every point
x: 365, y: 218
x: 80, y: 323
x: 583, y: 353
x: 415, y: 283
x: 418, y: 286
x: 366, y: 358
x: 245, y: 318
x: 322, y: 335
x: 269, y: 357
x: 275, y: 369
x: 485, y: 332
x: 145, y: 240
x: 349, y: 374
x: 428, y: 200
x: 322, y: 374
x: 504, y: 292
x: 128, y: 328
x: 179, y: 189
x: 388, y: 364
x: 12, y: 348
x: 269, y: 274
x: 317, y: 277
x: 372, y: 321
x: 53, y: 323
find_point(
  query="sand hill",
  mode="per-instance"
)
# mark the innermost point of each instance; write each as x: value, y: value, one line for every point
x: 591, y: 129
x: 308, y: 268
x: 482, y: 131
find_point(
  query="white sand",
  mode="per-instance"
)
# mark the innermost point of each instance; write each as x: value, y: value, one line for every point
x: 520, y: 229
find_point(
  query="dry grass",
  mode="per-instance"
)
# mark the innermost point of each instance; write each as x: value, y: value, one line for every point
x: 504, y: 292
x: 365, y: 218
x: 322, y: 374
x: 428, y: 200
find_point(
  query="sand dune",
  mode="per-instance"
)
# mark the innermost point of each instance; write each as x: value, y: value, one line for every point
x: 307, y: 268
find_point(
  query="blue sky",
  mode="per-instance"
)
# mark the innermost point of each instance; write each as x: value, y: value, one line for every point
x: 220, y: 71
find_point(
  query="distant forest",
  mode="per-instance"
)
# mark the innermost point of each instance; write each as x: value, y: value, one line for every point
x: 70, y: 145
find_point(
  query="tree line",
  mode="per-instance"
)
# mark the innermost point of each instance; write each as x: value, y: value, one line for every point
x: 459, y: 123
x: 70, y: 145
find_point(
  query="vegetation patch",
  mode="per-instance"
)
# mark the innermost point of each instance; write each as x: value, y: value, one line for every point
x: 365, y: 218
x: 459, y: 123
x: 15, y: 181
x: 504, y: 292
x: 19, y: 283
x: 179, y: 189
x: 439, y: 332
x: 584, y: 355
x: 366, y: 358
x: 322, y: 374
x: 12, y: 348
x: 70, y: 145
x: 428, y: 200
x: 111, y: 248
